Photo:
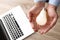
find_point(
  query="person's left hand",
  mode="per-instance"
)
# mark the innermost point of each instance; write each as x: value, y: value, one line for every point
x: 51, y: 20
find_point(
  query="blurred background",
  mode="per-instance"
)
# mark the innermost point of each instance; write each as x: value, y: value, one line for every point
x: 53, y: 34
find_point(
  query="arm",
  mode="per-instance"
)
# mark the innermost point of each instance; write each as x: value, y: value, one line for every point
x: 54, y: 2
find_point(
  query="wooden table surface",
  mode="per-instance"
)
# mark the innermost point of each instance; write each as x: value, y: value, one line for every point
x: 53, y: 34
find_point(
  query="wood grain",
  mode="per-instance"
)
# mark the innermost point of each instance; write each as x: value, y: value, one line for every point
x: 53, y: 34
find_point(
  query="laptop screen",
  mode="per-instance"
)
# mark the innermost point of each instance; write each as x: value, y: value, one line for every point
x: 3, y: 33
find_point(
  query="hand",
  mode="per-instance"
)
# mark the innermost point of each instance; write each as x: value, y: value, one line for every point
x: 51, y: 21
x: 33, y: 13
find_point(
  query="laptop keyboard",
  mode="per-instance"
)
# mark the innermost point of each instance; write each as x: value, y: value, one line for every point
x: 12, y: 26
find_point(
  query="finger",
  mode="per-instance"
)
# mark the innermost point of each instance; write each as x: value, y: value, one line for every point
x: 37, y: 28
x: 34, y: 27
x: 41, y: 32
x: 44, y: 29
x: 31, y: 17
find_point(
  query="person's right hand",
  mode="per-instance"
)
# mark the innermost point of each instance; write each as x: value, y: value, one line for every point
x: 33, y: 13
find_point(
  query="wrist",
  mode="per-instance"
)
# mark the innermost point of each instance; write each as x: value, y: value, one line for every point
x: 40, y: 4
x: 51, y: 7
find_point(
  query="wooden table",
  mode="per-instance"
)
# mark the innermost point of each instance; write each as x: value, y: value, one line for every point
x: 53, y: 34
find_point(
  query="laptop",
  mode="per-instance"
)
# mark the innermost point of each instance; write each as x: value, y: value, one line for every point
x: 15, y: 24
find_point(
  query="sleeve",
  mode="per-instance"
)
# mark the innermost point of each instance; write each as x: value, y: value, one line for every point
x: 54, y: 2
x: 39, y: 1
